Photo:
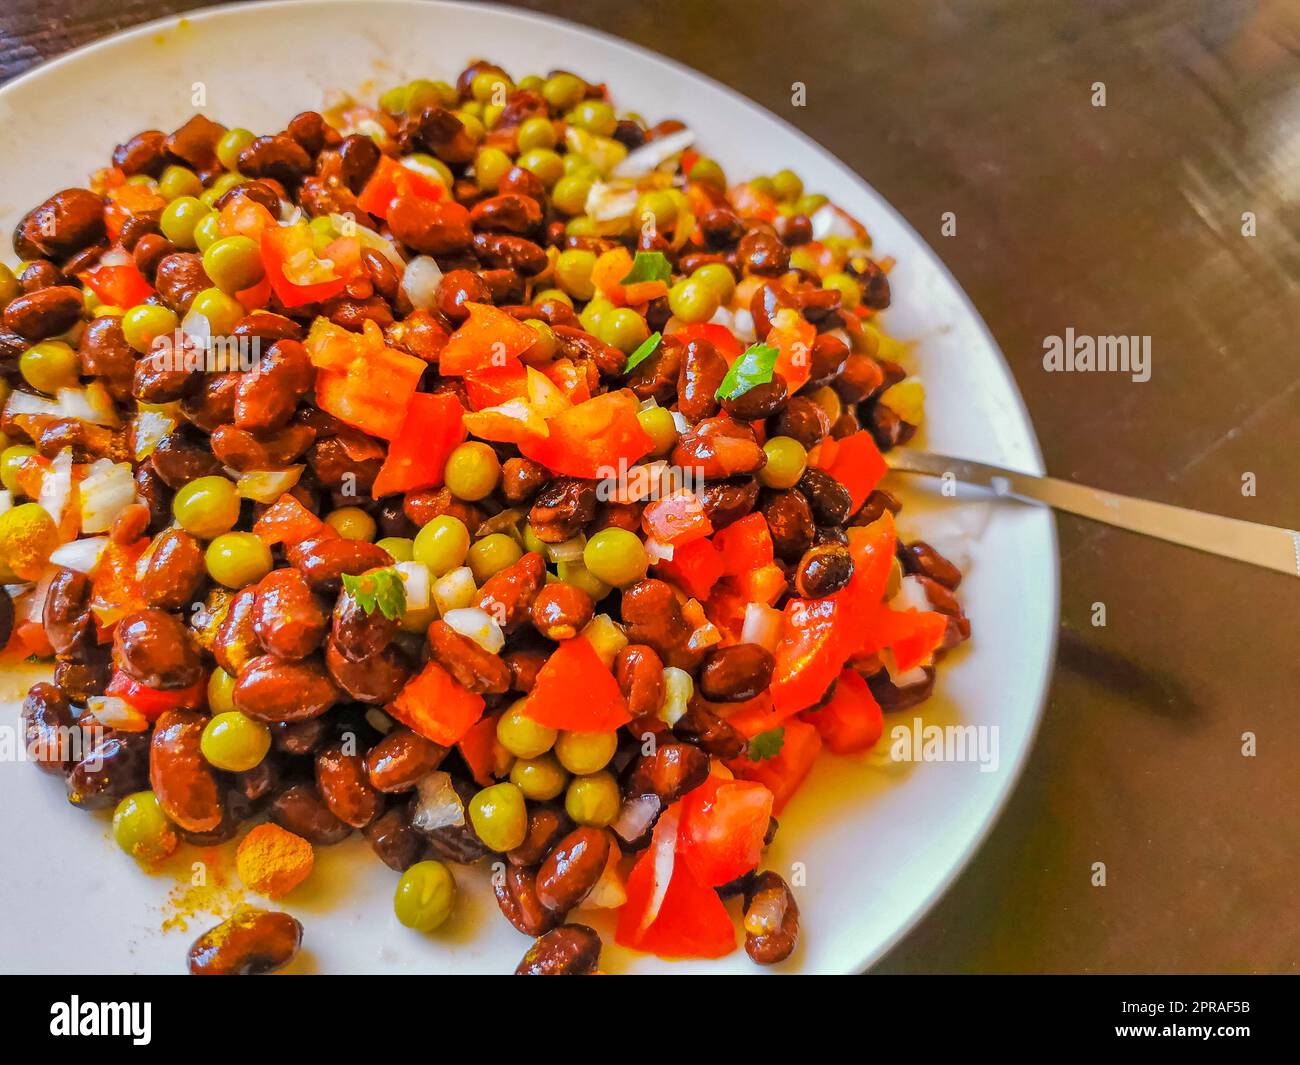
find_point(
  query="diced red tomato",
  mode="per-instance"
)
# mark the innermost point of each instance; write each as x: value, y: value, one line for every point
x: 851, y: 722
x: 857, y: 464
x: 756, y: 715
x: 114, y: 589
x: 575, y: 691
x: 695, y: 568
x: 29, y: 638
x: 489, y: 339
x: 390, y: 180
x: 151, y: 702
x: 793, y: 340
x: 287, y: 521
x: 719, y: 336
x: 722, y: 828
x: 245, y: 217
x: 783, y: 774
x: 514, y: 422
x: 418, y: 456
x: 677, y: 518
x: 569, y: 379
x: 494, y: 385
x: 762, y: 585
x: 437, y: 706
x: 810, y: 654
x: 480, y: 748
x: 592, y: 438
x: 119, y: 286
x: 912, y: 635
x: 296, y: 273
x: 362, y: 381
x: 745, y: 544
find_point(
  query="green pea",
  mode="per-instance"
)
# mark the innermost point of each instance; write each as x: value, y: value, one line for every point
x: 232, y: 142
x: 473, y: 125
x: 352, y: 523
x: 234, y: 263
x: 222, y: 311
x: 545, y: 346
x: 847, y: 286
x: 179, y: 219
x: 49, y: 366
x: 142, y: 181
x: 234, y: 742
x: 223, y: 183
x: 660, y: 427
x: 570, y: 193
x: 423, y: 93
x: 595, y: 116
x: 472, y: 471
x: 208, y: 231
x: 763, y: 185
x: 536, y: 132
x: 624, y: 329
x: 394, y: 100
x: 221, y: 691
x: 10, y: 287
x: 788, y: 185
x: 11, y: 461
x: 142, y: 829
x: 593, y: 800
x: 616, y: 556
x: 532, y: 83
x: 490, y: 86
x: 492, y: 554
x: 584, y: 753
x: 545, y: 164
x: 801, y: 259
x: 538, y: 778
x: 399, y: 547
x: 542, y: 295
x: 206, y: 507
x: 500, y: 816
x: 808, y: 205
x: 179, y: 181
x: 144, y: 324
x: 718, y: 278
x: 521, y: 735
x: 582, y: 227
x: 692, y: 301
x: 579, y: 576
x: 594, y: 313
x: 431, y: 162
x: 786, y: 460
x: 492, y: 114
x: 490, y: 166
x: 573, y: 270
x: 442, y: 544
x: 708, y: 172
x: 562, y: 91
x: 237, y: 559
x: 425, y: 896
x: 659, y: 205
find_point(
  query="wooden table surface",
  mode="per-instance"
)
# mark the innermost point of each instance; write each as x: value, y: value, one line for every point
x: 1118, y: 220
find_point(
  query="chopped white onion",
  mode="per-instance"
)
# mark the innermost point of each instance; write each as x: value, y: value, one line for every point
x: 438, y: 805
x: 109, y: 488
x: 151, y: 428
x: 80, y: 555
x: 908, y: 679
x: 6, y: 501
x: 112, y: 712
x: 664, y: 848
x: 680, y: 422
x: 30, y: 403
x: 610, y: 201
x: 657, y: 551
x: 636, y: 816
x: 116, y: 256
x: 568, y: 551
x: 56, y: 486
x: 90, y: 404
x: 197, y: 327
x: 910, y: 595
x: 722, y: 317
x: 266, y: 486
x: 608, y: 892
x: 762, y: 625
x: 652, y: 153
x: 454, y: 590
x: 420, y: 281
x: 606, y: 637
x: 477, y: 625
x: 379, y: 720
x: 742, y: 324
x: 415, y: 583
x: 678, y: 689
x: 829, y: 221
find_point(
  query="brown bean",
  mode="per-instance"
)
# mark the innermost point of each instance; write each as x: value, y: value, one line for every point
x: 823, y: 571
x: 271, y: 689
x: 399, y: 761
x: 669, y: 773
x: 736, y: 673
x: 145, y: 153
x: 920, y: 557
x: 342, y: 782
x: 653, y: 616
x: 719, y: 448
x: 570, y: 950
x: 42, y: 274
x: 640, y: 674
x: 580, y: 346
x: 522, y: 182
x: 235, y: 642
x: 457, y: 288
x: 422, y: 507
x: 475, y: 668
x: 728, y: 501
x: 703, y: 728
x: 179, y: 774
x: 85, y: 674
x: 828, y: 355
x: 106, y: 354
x: 266, y: 398
x: 516, y: 893
x: 391, y: 836
x: 347, y: 460
x: 830, y: 501
x: 804, y: 420
x: 562, y: 508
x: 376, y: 679
x: 180, y: 458
x: 572, y: 868
x: 173, y: 571
x: 66, y: 614
x: 155, y: 649
x: 310, y: 130
x: 179, y: 278
x: 875, y: 286
x: 299, y: 737
x: 287, y: 617
x: 113, y: 766
x: 49, y: 735
x: 524, y: 665
x: 521, y: 479
x: 790, y: 519
x: 301, y: 810
x: 561, y: 611
x: 428, y: 226
x: 504, y: 251
x: 263, y: 193
x: 358, y: 635
x: 893, y: 698
x: 760, y: 252
x: 279, y: 157
x: 771, y: 919
x: 445, y: 135
x: 701, y: 375
x: 212, y: 404
x: 722, y: 228
x: 656, y: 378
x: 760, y: 402
x: 61, y: 226
x: 506, y: 213
x: 44, y: 313
x: 325, y: 560
x: 250, y: 943
x: 860, y: 376
x: 546, y: 825
x: 508, y: 595
x: 195, y: 143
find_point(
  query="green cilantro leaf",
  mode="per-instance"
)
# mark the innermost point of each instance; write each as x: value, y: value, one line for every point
x: 380, y: 589
x: 644, y: 350
x: 753, y: 368
x: 648, y: 266
x: 766, y: 745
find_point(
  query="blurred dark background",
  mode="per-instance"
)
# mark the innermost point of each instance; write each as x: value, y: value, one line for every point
x: 1125, y: 219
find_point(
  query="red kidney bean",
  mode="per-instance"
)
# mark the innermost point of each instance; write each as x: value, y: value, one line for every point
x: 823, y: 571
x: 288, y: 618
x: 179, y: 278
x: 760, y: 402
x: 516, y: 893
x: 561, y: 611
x: 279, y: 157
x: 155, y: 649
x: 48, y: 728
x: 712, y: 734
x: 572, y: 868
x: 342, y: 782
x: 266, y: 398
x: 324, y: 561
x: 391, y: 837
x: 803, y: 420
x: 376, y: 679
x: 106, y: 354
x: 179, y: 774
x: 736, y: 673
x: 790, y: 519
x: 271, y: 689
x: 920, y: 557
x: 830, y: 501
x: 570, y: 950
x: 508, y: 595
x: 524, y: 665
x: 401, y: 759
x: 562, y: 508
x: 66, y: 615
x: 892, y: 698
x: 64, y: 224
x: 44, y: 313
x: 701, y: 375
x: 719, y: 448
x: 508, y: 212
x: 504, y: 251
x: 113, y: 766
x: 301, y: 810
x: 669, y: 773
x: 173, y: 571
x: 640, y: 674
x: 431, y: 227
x: 727, y: 501
x: 358, y: 635
x: 235, y: 642
x: 653, y: 616
x: 475, y: 669
x: 250, y: 943
x: 771, y: 919
x: 546, y: 825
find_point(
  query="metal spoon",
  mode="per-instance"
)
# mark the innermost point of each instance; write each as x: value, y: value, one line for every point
x: 1246, y: 541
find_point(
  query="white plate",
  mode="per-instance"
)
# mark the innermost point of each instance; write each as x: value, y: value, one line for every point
x: 876, y: 844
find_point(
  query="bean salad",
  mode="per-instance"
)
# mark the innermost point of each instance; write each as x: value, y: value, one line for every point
x: 482, y: 472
